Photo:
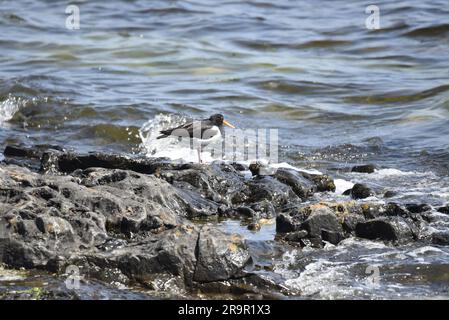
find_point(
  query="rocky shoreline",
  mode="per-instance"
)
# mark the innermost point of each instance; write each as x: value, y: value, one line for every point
x: 138, y: 222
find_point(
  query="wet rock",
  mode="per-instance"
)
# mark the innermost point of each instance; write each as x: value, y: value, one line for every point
x: 331, y: 236
x: 361, y: 191
x: 417, y: 208
x: 389, y: 229
x: 296, y: 236
x: 323, y: 221
x: 302, y: 187
x: 390, y: 194
x: 264, y: 209
x: 239, y: 166
x: 16, y: 151
x: 267, y: 188
x: 444, y: 209
x: 440, y: 238
x: 219, y: 257
x: 317, y: 220
x: 130, y: 220
x: 260, y: 169
x: 366, y: 168
x: 254, y: 226
x: 68, y: 162
x: 80, y: 218
x: 372, y: 210
x: 395, y: 209
x: 285, y: 223
x: 350, y: 222
x: 255, y: 168
x: 323, y: 182
x: 219, y: 182
x: 55, y: 225
x: 246, y: 212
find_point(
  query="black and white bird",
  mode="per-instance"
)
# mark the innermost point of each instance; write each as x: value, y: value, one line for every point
x: 203, y: 131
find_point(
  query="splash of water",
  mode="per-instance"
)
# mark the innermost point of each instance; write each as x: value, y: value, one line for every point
x: 172, y: 149
x: 9, y: 107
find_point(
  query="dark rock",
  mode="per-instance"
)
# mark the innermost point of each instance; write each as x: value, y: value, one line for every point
x: 395, y: 209
x: 372, y: 211
x: 254, y: 226
x: 366, y: 168
x: 323, y: 182
x: 264, y: 209
x: 260, y: 169
x: 219, y: 257
x: 350, y: 222
x: 15, y: 151
x: 53, y: 221
x: 389, y: 229
x: 444, y: 209
x: 361, y: 191
x: 303, y: 187
x: 68, y: 162
x: 417, y: 208
x: 331, y: 236
x: 347, y: 192
x: 128, y: 220
x: 440, y: 238
x: 376, y: 229
x: 239, y: 166
x: 296, y: 236
x: 246, y: 212
x: 255, y: 168
x: 322, y: 220
x: 267, y: 188
x: 390, y: 194
x: 284, y: 223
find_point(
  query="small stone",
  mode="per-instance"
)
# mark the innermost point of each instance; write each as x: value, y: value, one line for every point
x: 366, y: 168
x: 254, y: 226
x: 390, y: 194
x: 361, y: 191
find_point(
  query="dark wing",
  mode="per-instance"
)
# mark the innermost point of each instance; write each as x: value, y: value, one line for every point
x: 185, y: 130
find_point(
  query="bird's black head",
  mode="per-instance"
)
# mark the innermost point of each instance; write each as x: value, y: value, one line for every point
x: 217, y: 119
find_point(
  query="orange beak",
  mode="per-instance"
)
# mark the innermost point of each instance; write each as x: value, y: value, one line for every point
x: 228, y: 124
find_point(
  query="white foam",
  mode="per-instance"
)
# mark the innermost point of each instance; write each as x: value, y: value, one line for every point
x: 323, y: 278
x: 342, y: 185
x: 175, y: 150
x: 9, y: 107
x: 169, y: 147
x: 425, y: 251
x: 393, y: 172
x: 289, y: 166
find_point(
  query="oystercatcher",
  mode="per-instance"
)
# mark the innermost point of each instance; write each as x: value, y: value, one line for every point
x: 204, y: 131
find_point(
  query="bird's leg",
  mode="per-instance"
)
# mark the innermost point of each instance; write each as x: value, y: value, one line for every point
x: 199, y: 154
